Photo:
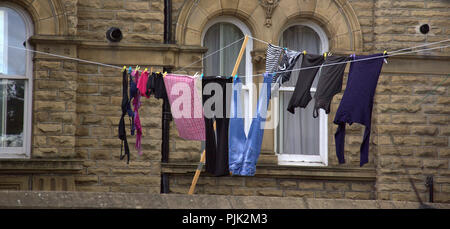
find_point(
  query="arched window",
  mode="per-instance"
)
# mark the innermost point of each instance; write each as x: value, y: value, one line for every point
x: 219, y: 33
x: 15, y: 83
x: 302, y: 139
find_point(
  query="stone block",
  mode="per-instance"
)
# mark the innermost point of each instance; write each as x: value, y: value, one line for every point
x: 61, y: 141
x: 408, y: 119
x: 424, y: 130
x: 297, y: 193
x: 310, y: 185
x: 242, y: 191
x: 407, y: 140
x: 49, y: 128
x: 435, y: 141
x: 269, y: 192
x: 359, y: 195
x: 260, y: 182
x: 337, y: 186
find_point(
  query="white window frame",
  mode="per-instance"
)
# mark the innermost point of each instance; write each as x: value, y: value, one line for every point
x: 23, y: 152
x: 248, y: 86
x: 296, y: 159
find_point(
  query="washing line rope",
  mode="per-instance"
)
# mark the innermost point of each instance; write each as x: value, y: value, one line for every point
x: 392, y: 53
x: 66, y: 57
x: 350, y: 61
x: 400, y: 50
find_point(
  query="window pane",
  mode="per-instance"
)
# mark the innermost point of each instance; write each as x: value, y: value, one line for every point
x: 300, y: 130
x: 12, y: 97
x: 12, y: 34
x: 217, y: 37
x: 300, y: 38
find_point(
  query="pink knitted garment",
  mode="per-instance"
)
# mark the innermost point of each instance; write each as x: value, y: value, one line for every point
x: 187, y: 109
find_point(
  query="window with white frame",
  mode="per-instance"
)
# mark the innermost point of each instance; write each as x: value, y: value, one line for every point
x: 301, y: 139
x: 219, y: 33
x: 15, y: 83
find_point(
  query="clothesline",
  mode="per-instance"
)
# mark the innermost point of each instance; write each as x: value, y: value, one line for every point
x: 391, y: 53
x: 350, y: 61
x: 418, y: 46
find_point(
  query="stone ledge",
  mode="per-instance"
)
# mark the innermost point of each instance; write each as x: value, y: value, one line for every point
x: 92, y: 200
x: 34, y: 166
x: 283, y: 171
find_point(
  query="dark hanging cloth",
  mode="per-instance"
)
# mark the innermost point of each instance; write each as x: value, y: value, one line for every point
x: 150, y: 83
x: 330, y: 83
x: 216, y: 142
x: 125, y: 105
x: 302, y: 94
x: 133, y: 91
x: 288, y: 60
x: 357, y: 103
x: 159, y: 88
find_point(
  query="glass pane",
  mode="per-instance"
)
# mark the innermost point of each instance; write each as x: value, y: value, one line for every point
x: 12, y: 34
x: 300, y: 38
x: 222, y: 63
x: 300, y: 130
x: 12, y: 101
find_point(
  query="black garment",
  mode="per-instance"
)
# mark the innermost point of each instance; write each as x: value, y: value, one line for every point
x: 125, y: 105
x: 288, y: 60
x: 150, y: 82
x: 302, y: 94
x: 216, y: 144
x: 330, y: 83
x: 159, y: 88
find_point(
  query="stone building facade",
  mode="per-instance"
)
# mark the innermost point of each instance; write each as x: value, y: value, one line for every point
x: 74, y: 107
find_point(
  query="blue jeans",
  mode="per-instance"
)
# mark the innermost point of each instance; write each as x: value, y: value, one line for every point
x: 244, y: 151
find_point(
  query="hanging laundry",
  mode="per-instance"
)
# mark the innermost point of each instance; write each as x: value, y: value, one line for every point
x: 288, y: 60
x: 245, y: 150
x: 302, y: 93
x: 186, y: 108
x: 133, y: 92
x: 216, y: 144
x: 159, y: 88
x: 137, y: 120
x: 357, y: 103
x: 273, y: 57
x: 279, y: 59
x: 150, y: 83
x: 142, y: 84
x: 121, y: 130
x: 330, y: 83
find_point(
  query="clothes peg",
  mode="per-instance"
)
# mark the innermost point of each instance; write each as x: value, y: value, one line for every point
x: 130, y: 69
x: 236, y: 76
x: 124, y: 68
x: 330, y: 53
x: 304, y: 52
x: 201, y: 76
x: 164, y: 75
x: 137, y: 67
x: 325, y: 55
x: 385, y: 53
x: 145, y: 70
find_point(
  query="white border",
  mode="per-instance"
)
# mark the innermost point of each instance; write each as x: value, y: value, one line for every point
x: 25, y: 151
x: 304, y: 160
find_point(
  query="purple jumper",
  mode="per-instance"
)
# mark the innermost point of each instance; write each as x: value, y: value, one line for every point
x: 357, y: 103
